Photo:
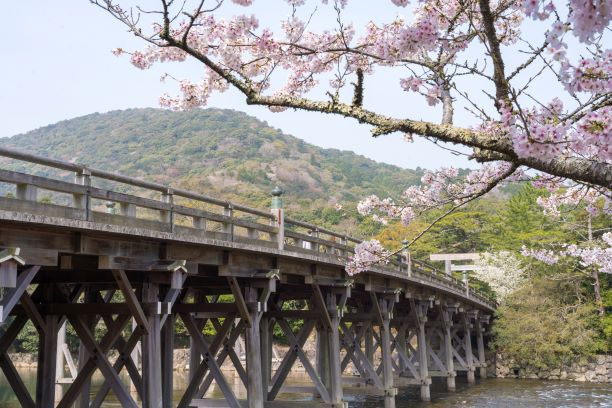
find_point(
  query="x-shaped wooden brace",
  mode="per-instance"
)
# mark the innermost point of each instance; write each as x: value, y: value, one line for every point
x: 29, y: 304
x: 125, y: 349
x: 227, y: 350
x: 208, y: 362
x: 361, y: 362
x: 98, y: 359
x: 402, y: 354
x: 296, y: 345
x: 9, y: 336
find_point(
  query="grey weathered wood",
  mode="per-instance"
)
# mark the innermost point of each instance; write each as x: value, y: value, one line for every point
x: 467, y: 338
x: 266, y: 354
x: 243, y: 310
x: 151, y: 353
x: 126, y: 360
x: 13, y: 295
x: 209, y: 360
x: 385, y: 345
x: 481, y: 350
x: 132, y: 300
x: 45, y: 381
x: 322, y: 357
x: 287, y: 363
x: 167, y: 361
x: 310, y: 370
x: 448, y: 348
x: 89, y: 365
x: 102, y: 362
x: 227, y: 350
x: 254, y: 384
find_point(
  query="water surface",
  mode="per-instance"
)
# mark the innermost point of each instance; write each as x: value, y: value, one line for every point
x: 488, y: 393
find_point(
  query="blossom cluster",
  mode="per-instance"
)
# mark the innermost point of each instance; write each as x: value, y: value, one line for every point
x: 597, y: 255
x: 503, y: 271
x: 367, y: 253
x: 438, y: 188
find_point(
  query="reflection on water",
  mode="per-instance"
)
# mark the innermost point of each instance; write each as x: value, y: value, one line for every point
x: 488, y: 393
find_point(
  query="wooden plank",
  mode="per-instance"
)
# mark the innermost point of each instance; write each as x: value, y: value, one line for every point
x: 455, y: 257
x: 132, y: 301
x: 45, y: 374
x: 321, y: 307
x: 243, y: 309
x: 13, y: 295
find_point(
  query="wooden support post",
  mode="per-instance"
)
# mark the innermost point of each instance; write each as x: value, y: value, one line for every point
x: 322, y: 350
x: 194, y: 358
x: 266, y: 355
x: 151, y: 352
x: 253, y: 352
x: 481, y: 350
x: 400, y: 344
x: 447, y: 320
x: 335, y: 372
x: 421, y: 313
x: 59, y: 360
x: 89, y: 297
x: 167, y: 361
x: 467, y: 341
x: 47, y: 358
x: 369, y: 342
x: 386, y: 314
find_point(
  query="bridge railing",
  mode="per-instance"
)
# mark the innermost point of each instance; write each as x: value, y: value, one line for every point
x: 162, y: 208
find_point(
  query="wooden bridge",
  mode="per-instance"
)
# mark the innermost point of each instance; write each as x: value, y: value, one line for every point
x: 104, y: 250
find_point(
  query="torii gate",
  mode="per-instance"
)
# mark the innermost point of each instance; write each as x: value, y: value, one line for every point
x: 465, y: 268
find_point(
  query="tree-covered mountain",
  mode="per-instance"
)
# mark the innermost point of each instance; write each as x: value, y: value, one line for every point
x: 222, y: 153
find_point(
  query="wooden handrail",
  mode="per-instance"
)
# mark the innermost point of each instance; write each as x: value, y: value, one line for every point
x: 419, y: 268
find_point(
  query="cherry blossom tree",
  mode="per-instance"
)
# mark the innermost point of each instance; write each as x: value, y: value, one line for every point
x: 534, y: 75
x: 503, y: 271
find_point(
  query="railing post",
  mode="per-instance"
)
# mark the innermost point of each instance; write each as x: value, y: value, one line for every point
x: 277, y: 210
x: 27, y: 192
x: 166, y: 216
x: 228, y: 227
x: 82, y: 201
x: 406, y: 253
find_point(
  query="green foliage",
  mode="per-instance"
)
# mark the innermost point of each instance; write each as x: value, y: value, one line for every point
x: 544, y: 324
x: 221, y: 153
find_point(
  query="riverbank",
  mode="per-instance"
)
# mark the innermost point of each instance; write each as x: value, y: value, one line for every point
x: 597, y: 369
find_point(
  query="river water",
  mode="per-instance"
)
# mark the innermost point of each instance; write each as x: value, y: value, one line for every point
x: 506, y: 393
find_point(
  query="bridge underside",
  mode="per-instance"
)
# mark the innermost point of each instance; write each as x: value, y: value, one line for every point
x: 127, y: 295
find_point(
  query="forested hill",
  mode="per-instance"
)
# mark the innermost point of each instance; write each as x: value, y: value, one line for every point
x: 222, y: 153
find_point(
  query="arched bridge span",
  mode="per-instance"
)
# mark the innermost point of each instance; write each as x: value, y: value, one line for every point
x: 94, y: 249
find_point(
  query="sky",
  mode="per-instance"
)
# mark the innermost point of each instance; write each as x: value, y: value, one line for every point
x: 57, y: 64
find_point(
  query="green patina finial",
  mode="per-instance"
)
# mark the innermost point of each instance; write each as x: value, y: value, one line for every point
x: 277, y: 200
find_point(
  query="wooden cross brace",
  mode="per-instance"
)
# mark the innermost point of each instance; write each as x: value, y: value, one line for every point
x: 208, y: 362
